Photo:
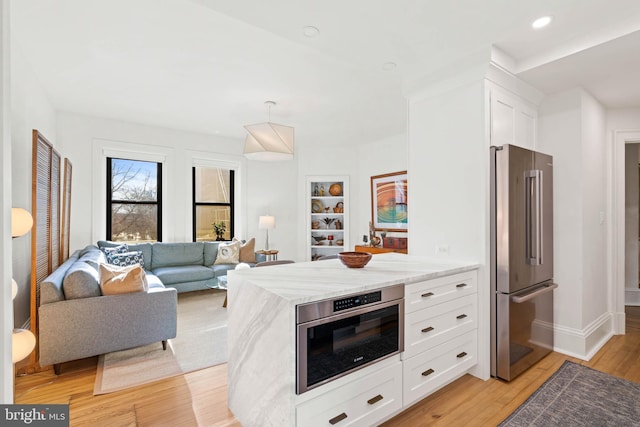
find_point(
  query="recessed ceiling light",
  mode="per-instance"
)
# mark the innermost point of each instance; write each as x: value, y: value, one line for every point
x: 541, y: 22
x: 310, y: 31
x: 389, y: 66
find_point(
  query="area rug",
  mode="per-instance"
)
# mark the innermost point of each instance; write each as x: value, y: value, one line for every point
x: 201, y: 342
x: 579, y: 396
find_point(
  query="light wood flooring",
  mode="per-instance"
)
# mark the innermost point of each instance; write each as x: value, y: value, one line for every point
x: 200, y: 398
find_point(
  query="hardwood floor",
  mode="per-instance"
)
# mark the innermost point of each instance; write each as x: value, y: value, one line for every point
x: 200, y: 398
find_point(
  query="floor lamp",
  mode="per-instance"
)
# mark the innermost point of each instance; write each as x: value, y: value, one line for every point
x: 23, y: 341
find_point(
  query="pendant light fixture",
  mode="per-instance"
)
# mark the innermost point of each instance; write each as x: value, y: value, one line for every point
x: 269, y: 141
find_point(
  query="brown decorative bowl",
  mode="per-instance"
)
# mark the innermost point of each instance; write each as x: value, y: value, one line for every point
x: 354, y: 259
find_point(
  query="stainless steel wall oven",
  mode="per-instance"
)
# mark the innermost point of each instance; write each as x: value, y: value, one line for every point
x: 341, y: 335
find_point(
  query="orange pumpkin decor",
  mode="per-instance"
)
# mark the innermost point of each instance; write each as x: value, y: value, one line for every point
x: 335, y: 189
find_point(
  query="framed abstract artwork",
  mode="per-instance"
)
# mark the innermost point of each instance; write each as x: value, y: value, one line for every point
x: 389, y: 201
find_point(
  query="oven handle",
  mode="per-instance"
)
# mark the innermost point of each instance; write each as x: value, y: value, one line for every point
x: 534, y: 294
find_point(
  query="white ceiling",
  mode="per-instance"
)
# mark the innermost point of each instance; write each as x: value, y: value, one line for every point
x: 209, y: 65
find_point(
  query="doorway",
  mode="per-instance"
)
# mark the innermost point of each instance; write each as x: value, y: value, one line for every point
x: 623, y: 268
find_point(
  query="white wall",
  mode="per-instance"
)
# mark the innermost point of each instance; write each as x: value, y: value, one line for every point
x: 448, y: 174
x: 380, y: 157
x: 594, y: 205
x: 571, y: 129
x: 6, y: 367
x: 448, y: 165
x: 264, y: 186
x: 30, y: 109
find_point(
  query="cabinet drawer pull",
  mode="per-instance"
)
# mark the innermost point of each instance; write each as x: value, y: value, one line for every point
x: 337, y: 418
x: 462, y: 316
x: 428, y: 329
x: 428, y: 294
x: 428, y: 372
x: 461, y: 355
x: 461, y: 285
x: 375, y: 399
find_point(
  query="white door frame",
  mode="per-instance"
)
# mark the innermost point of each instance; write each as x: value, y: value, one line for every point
x: 617, y: 226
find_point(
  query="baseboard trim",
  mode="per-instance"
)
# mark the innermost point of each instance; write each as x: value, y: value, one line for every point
x: 632, y: 297
x: 584, y: 344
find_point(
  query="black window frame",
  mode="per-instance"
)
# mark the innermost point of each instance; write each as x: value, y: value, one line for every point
x: 195, y: 204
x: 111, y: 201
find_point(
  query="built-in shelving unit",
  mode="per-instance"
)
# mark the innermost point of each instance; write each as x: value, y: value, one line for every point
x: 327, y: 215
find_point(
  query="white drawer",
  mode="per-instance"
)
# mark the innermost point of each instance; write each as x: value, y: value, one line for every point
x: 430, y: 370
x: 432, y: 326
x: 425, y: 294
x: 363, y: 402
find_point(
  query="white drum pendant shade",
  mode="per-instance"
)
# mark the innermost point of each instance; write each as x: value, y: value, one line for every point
x: 269, y: 142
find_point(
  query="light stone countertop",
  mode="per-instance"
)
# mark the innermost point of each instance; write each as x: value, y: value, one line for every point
x: 303, y: 282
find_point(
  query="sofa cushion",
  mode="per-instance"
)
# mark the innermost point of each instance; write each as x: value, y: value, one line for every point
x: 221, y: 269
x: 210, y: 252
x: 183, y: 273
x: 247, y: 250
x: 228, y: 253
x: 173, y: 254
x: 153, y: 281
x: 81, y: 281
x: 93, y: 257
x: 126, y: 259
x: 146, y: 250
x: 116, y: 280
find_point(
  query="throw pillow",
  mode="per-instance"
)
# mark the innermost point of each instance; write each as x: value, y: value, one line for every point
x: 228, y: 253
x: 120, y: 249
x: 126, y: 259
x: 247, y: 250
x: 116, y: 280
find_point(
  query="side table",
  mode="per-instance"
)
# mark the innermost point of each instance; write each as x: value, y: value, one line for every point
x: 271, y: 254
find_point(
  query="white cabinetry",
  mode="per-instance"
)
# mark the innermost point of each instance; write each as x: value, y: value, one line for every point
x: 512, y: 119
x: 441, y: 343
x: 327, y: 210
x: 362, y: 402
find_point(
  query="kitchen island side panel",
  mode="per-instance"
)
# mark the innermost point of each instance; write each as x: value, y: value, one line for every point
x: 261, y: 367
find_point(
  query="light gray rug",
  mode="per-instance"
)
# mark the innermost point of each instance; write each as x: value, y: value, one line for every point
x: 579, y: 396
x: 201, y: 342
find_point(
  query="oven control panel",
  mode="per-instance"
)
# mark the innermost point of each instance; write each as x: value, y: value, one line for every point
x: 356, y: 301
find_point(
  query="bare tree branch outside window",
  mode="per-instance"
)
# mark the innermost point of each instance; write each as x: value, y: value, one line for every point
x: 134, y: 200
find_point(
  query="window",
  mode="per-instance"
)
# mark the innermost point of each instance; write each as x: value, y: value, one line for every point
x: 212, y: 202
x: 134, y: 200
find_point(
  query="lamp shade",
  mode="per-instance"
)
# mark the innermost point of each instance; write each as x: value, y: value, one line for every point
x: 23, y: 342
x: 267, y: 222
x: 21, y: 222
x: 269, y: 142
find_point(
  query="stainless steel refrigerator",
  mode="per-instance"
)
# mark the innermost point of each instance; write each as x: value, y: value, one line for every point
x: 521, y: 259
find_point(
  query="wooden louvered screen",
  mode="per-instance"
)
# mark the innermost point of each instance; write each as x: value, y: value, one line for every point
x: 45, y: 209
x: 66, y: 211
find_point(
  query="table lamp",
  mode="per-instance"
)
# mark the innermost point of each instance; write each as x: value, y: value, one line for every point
x: 267, y: 222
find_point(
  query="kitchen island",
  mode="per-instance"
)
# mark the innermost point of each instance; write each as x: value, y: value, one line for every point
x: 262, y: 336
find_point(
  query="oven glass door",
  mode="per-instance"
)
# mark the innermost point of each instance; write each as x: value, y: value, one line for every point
x: 343, y: 343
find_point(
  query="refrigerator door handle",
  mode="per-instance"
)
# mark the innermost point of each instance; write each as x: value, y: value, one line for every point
x: 524, y: 298
x: 533, y: 216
